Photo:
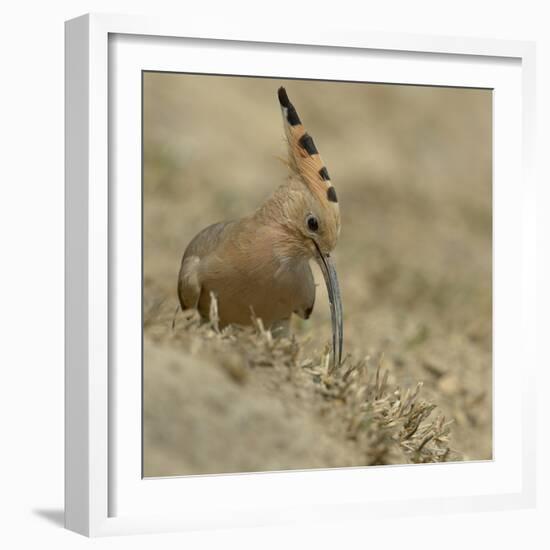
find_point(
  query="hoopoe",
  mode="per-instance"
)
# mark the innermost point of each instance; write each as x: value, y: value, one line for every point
x: 259, y: 264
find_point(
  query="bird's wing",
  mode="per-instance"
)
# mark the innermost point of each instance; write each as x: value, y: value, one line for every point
x: 204, y: 243
x: 207, y: 240
x: 307, y: 294
x: 189, y: 286
x: 306, y: 312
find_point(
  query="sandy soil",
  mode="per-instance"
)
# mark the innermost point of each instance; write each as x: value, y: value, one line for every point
x: 412, y: 168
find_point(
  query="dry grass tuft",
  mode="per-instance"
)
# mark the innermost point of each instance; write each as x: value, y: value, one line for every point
x: 356, y: 403
x: 391, y: 425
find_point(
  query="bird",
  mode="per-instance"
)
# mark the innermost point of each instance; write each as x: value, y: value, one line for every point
x: 259, y: 265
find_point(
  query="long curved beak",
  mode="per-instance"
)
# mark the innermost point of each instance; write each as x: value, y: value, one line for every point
x: 336, y: 314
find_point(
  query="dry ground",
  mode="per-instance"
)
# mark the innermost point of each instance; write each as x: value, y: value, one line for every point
x: 412, y: 168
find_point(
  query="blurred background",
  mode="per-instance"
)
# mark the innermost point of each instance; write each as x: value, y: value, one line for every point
x: 412, y: 166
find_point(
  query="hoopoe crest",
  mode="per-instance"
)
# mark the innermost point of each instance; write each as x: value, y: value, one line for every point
x: 259, y: 264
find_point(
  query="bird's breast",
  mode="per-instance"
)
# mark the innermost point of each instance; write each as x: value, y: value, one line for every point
x: 269, y: 286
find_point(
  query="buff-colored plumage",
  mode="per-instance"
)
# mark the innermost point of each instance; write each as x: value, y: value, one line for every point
x: 259, y: 264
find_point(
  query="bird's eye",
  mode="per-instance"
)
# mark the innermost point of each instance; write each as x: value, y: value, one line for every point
x: 312, y: 223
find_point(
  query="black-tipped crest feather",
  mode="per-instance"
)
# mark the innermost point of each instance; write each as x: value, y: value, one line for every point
x: 324, y: 173
x: 307, y: 143
x: 291, y: 115
x: 303, y: 156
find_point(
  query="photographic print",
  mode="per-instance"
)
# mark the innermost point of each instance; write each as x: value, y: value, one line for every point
x: 317, y: 274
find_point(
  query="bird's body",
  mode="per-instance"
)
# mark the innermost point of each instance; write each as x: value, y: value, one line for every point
x: 270, y: 283
x: 259, y: 265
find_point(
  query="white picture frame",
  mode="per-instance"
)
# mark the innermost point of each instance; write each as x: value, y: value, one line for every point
x: 104, y: 493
